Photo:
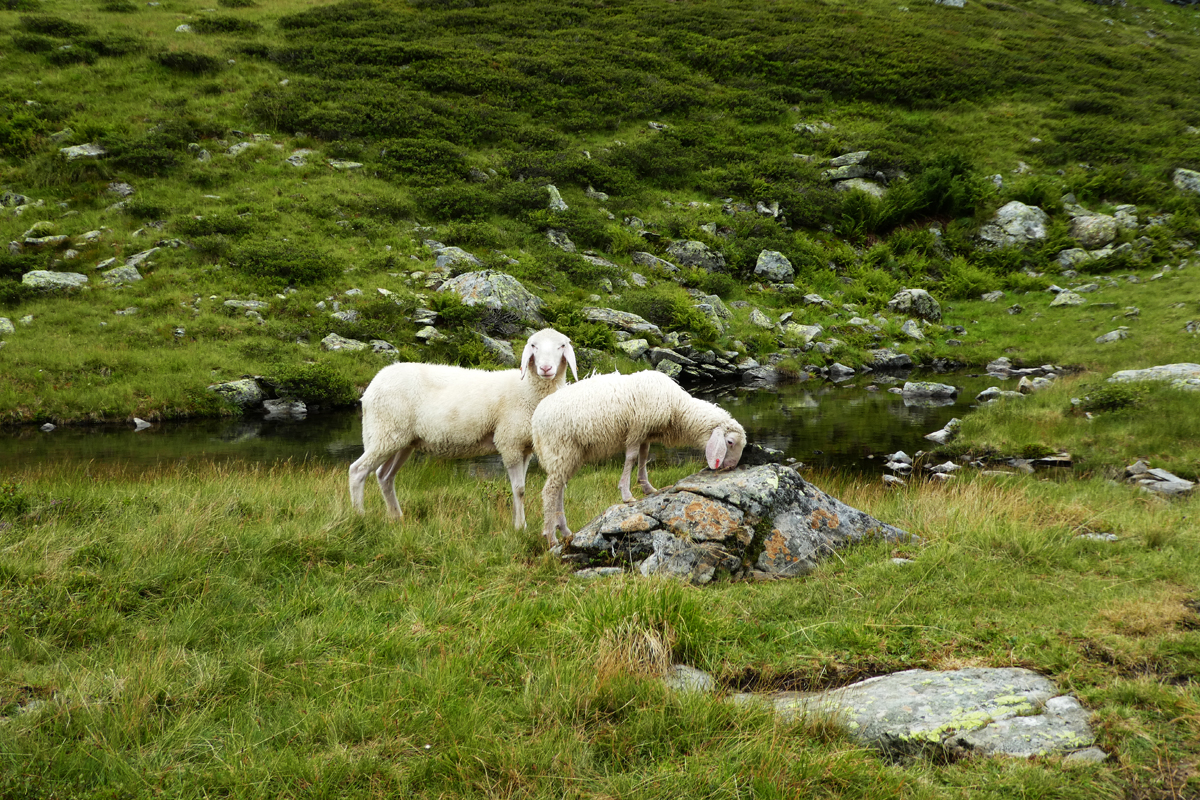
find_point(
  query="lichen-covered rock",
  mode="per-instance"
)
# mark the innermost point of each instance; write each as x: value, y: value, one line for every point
x: 795, y: 334
x: 448, y: 257
x: 696, y: 254
x: 917, y: 303
x: 887, y: 359
x: 1066, y: 299
x: 774, y: 266
x: 621, y: 320
x: 245, y: 393
x: 634, y: 348
x: 1187, y: 180
x: 493, y: 289
x: 1004, y: 711
x: 1180, y: 376
x: 54, y: 281
x: 334, y: 343
x: 121, y: 275
x: 1015, y: 225
x: 929, y: 389
x: 766, y: 521
x: 499, y: 349
x: 6, y: 326
x: 1094, y: 230
x: 651, y: 261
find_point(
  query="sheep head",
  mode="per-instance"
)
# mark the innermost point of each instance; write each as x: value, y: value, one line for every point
x: 546, y: 352
x: 724, y: 448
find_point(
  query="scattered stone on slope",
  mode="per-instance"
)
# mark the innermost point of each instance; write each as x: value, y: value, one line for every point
x: 1015, y: 225
x: 53, y: 281
x: 1158, y: 481
x: 622, y: 320
x: 1093, y: 231
x: 774, y: 266
x: 1067, y: 299
x: 917, y: 303
x: 761, y: 522
x: 334, y: 343
x: 696, y: 254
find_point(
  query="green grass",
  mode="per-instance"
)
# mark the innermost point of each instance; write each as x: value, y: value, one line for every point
x: 206, y: 630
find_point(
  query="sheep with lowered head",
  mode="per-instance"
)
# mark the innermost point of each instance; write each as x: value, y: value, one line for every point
x: 601, y: 416
x: 452, y: 412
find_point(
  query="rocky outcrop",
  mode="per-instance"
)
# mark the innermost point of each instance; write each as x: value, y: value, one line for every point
x: 493, y: 289
x: 762, y: 522
x: 621, y: 320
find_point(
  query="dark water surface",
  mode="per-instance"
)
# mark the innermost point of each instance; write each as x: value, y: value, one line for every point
x: 816, y: 422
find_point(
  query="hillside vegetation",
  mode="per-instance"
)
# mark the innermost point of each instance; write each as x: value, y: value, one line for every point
x: 460, y: 114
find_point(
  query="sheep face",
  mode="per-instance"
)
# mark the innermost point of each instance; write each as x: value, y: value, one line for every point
x: 724, y: 448
x: 546, y: 352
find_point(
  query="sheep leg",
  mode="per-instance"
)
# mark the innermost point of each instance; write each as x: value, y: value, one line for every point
x: 386, y: 475
x: 631, y: 454
x: 643, y: 477
x: 516, y: 478
x: 554, y: 514
x: 359, y: 471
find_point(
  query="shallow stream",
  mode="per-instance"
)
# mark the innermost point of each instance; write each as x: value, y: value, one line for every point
x: 822, y: 424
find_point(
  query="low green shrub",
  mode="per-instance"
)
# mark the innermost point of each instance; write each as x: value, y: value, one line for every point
x: 188, y: 62
x: 1112, y: 396
x: 118, y: 6
x: 672, y: 309
x: 282, y: 262
x: 50, y: 25
x: 14, y: 502
x: 422, y: 162
x: 221, y: 223
x: 452, y: 312
x: 321, y: 383
x: 460, y: 202
x: 219, y: 24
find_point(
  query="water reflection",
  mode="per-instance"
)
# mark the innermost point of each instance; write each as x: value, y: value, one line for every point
x: 847, y: 426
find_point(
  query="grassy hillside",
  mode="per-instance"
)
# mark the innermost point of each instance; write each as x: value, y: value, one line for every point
x: 461, y: 113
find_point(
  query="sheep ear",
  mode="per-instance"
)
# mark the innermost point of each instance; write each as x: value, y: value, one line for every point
x: 569, y: 355
x: 526, y: 357
x: 714, y: 451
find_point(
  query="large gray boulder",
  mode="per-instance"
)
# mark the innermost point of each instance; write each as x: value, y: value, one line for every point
x: 696, y: 254
x: 447, y: 257
x: 1003, y: 711
x: 1186, y: 179
x: 916, y: 303
x: 1015, y: 225
x: 774, y: 266
x: 245, y: 393
x: 651, y: 261
x: 1180, y: 376
x: 493, y: 289
x: 761, y: 522
x: 49, y: 281
x: 1094, y: 230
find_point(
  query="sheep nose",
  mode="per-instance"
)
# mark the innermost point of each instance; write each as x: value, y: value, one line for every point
x: 547, y: 370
